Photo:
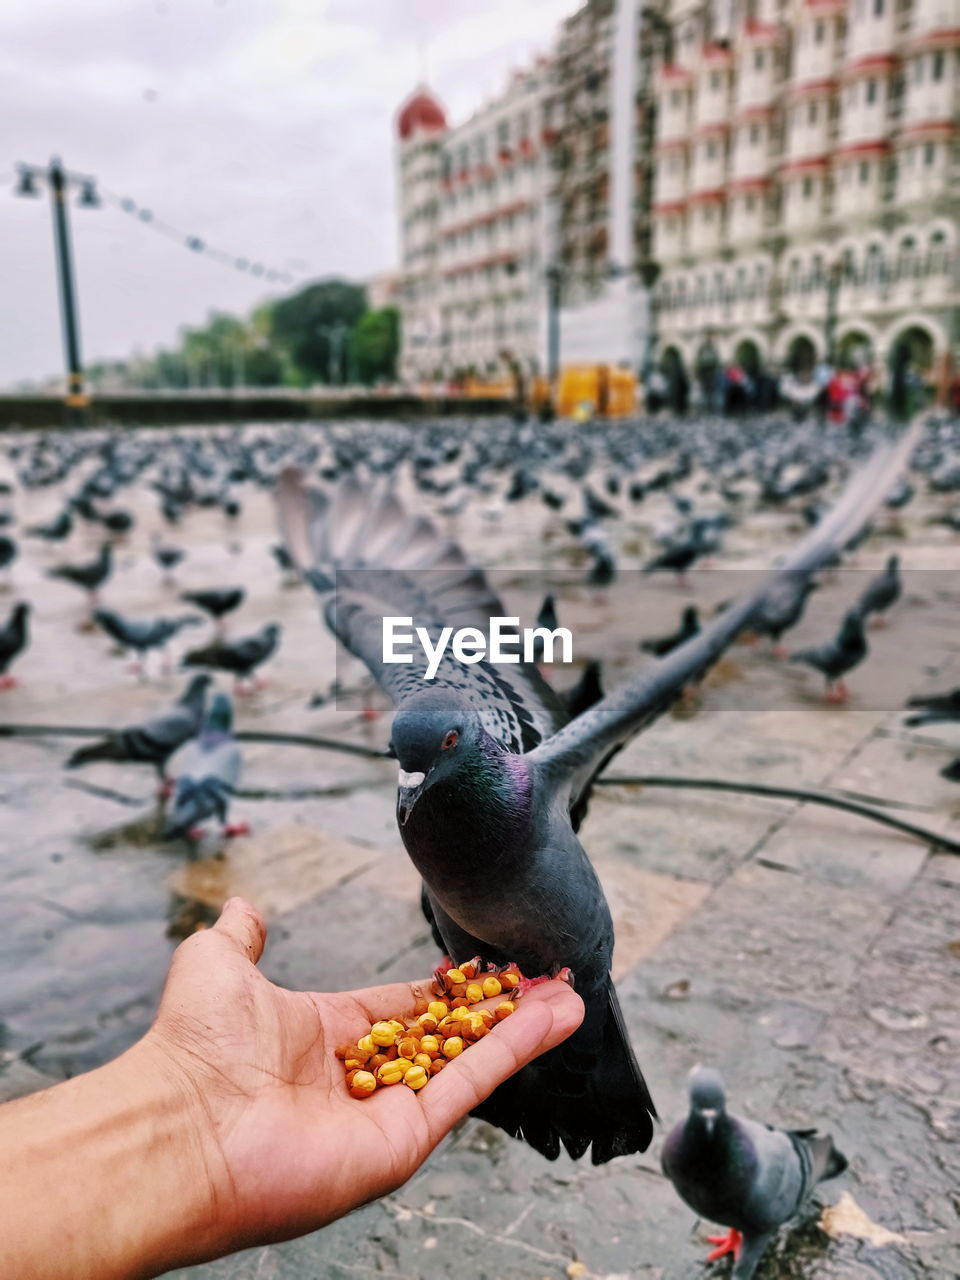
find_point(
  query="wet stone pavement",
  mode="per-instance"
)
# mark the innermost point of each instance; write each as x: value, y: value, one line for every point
x: 811, y: 956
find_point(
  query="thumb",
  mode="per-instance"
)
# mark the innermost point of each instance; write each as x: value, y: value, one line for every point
x: 244, y: 926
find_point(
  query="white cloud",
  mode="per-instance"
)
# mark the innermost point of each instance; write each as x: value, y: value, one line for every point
x: 263, y: 125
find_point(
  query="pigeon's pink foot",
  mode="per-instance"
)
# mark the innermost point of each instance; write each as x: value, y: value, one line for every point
x: 730, y: 1243
x: 8, y: 682
x: 243, y: 690
x: 834, y: 695
x: 165, y: 790
x: 261, y: 682
x: 370, y: 713
x: 683, y: 582
x: 236, y: 829
x: 878, y: 620
x: 527, y: 983
x: 195, y: 833
x: 566, y: 975
x: 135, y: 668
x: 780, y: 651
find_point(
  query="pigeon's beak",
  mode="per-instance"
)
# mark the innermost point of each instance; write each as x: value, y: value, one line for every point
x: 709, y: 1119
x: 410, y: 786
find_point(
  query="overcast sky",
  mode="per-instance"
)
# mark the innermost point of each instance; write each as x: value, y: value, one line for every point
x: 264, y: 126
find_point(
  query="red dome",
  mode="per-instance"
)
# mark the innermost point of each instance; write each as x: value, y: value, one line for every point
x: 421, y: 112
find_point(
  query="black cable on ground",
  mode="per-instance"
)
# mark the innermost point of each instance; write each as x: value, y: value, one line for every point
x: 825, y: 798
x: 244, y: 735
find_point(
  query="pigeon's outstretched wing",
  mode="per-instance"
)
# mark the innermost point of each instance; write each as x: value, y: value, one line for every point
x: 369, y: 559
x: 573, y: 755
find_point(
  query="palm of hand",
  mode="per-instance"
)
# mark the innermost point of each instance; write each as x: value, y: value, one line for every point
x: 291, y: 1147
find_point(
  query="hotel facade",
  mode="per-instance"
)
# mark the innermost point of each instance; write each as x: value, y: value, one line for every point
x: 769, y: 183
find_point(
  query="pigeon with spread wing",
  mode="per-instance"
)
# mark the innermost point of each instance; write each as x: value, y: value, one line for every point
x: 494, y: 779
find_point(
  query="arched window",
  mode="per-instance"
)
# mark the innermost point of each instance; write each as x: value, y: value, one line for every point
x: 938, y: 256
x: 793, y: 276
x: 849, y: 266
x: 907, y: 259
x: 874, y: 268
x: 740, y: 288
x: 816, y: 271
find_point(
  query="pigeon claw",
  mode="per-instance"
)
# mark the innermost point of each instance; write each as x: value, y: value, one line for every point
x: 732, y: 1242
x: 780, y: 651
x: 236, y: 829
x: 8, y: 682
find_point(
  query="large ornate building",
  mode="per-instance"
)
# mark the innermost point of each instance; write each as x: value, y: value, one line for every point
x: 787, y: 170
x: 807, y: 187
x: 472, y: 233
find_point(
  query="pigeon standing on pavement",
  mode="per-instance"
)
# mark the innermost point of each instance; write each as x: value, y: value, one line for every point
x: 660, y: 646
x: 155, y: 739
x: 782, y: 609
x: 166, y: 558
x: 747, y: 1176
x: 217, y: 602
x: 140, y: 636
x: 89, y: 576
x: 881, y: 593
x: 205, y: 773
x: 55, y: 530
x: 14, y: 638
x: 836, y: 657
x: 8, y: 553
x: 493, y: 780
x: 240, y: 657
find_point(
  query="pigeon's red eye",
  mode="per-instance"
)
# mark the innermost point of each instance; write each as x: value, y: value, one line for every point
x: 450, y: 740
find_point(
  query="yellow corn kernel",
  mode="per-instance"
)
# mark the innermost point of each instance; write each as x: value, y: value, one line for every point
x: 453, y: 976
x: 383, y: 1033
x: 474, y: 992
x: 469, y: 970
x: 491, y: 987
x: 428, y: 1022
x: 393, y: 1072
x: 398, y: 1027
x: 416, y: 1078
x: 365, y: 1045
x: 407, y: 1047
x: 423, y: 1060
x: 504, y: 1009
x: 452, y: 1047
x: 438, y: 1008
x: 362, y: 1084
x: 430, y: 1044
x: 509, y: 979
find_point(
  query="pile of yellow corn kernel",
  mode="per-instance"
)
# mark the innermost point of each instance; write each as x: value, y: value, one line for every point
x: 410, y: 1051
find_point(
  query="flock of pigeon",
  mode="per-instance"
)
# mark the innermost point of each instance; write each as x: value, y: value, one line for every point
x: 496, y: 768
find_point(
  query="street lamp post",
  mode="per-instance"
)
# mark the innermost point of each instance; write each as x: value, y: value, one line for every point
x: 59, y: 181
x: 554, y: 275
x: 834, y: 278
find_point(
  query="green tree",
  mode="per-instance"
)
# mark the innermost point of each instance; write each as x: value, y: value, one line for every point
x: 313, y: 325
x: 375, y: 344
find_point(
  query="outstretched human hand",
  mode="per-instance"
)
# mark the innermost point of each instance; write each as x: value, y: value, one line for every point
x: 286, y: 1147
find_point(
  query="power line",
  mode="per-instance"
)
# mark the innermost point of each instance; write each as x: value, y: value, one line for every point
x: 196, y: 244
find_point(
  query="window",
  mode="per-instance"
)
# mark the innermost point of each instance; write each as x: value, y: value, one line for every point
x: 710, y: 148
x: 812, y: 113
x: 819, y: 31
x: 807, y: 188
x: 864, y: 172
x: 929, y: 153
x: 754, y: 134
x: 939, y: 259
x: 871, y: 91
x: 878, y: 6
x: 937, y: 64
x: 758, y: 60
x: 750, y: 203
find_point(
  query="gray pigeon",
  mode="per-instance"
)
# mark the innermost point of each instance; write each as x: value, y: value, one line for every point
x: 156, y: 739
x: 836, y: 657
x: 747, y: 1176
x: 881, y: 592
x: 782, y: 608
x: 493, y: 779
x: 205, y: 773
x: 134, y: 633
